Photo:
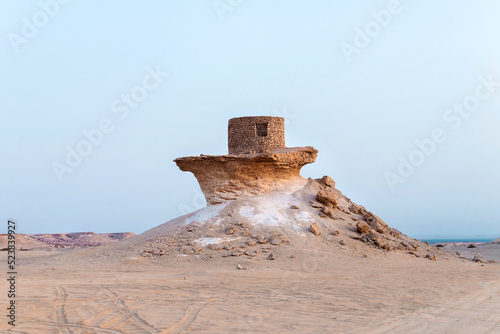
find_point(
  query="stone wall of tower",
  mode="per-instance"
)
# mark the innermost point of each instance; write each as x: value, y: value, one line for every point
x: 255, y: 134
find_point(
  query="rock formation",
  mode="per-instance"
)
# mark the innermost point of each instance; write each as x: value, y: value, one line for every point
x: 260, y: 206
x: 286, y: 224
x: 258, y: 162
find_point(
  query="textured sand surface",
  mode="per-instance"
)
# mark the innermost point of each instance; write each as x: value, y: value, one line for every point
x: 312, y: 293
x: 183, y: 276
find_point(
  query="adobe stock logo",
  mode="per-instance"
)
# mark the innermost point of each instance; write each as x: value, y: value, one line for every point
x: 223, y: 7
x: 363, y: 37
x: 31, y: 27
x: 428, y: 146
x: 198, y: 202
x: 122, y: 107
x: 284, y: 113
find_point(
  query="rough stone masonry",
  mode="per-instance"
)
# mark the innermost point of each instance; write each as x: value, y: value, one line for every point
x: 259, y: 134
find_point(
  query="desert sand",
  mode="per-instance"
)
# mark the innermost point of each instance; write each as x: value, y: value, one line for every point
x: 258, y: 265
x: 313, y: 293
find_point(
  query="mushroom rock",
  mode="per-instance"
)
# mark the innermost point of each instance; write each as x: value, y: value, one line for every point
x: 229, y: 177
x: 258, y: 162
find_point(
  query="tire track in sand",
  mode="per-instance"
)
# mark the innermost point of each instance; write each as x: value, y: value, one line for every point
x: 128, y: 314
x: 188, y: 319
x: 477, y: 312
x: 62, y: 320
x: 81, y: 327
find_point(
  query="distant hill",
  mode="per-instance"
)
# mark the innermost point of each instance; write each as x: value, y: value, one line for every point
x: 63, y: 240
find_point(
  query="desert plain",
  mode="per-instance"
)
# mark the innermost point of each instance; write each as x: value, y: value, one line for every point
x: 257, y: 265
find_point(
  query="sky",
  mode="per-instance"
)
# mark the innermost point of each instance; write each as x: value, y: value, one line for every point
x: 401, y: 98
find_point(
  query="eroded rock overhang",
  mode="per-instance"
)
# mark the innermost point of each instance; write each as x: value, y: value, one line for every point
x: 230, y: 177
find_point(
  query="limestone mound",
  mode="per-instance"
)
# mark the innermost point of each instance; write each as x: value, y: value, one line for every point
x: 311, y: 216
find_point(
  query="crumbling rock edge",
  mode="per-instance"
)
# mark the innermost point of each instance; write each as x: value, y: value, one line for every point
x: 234, y: 176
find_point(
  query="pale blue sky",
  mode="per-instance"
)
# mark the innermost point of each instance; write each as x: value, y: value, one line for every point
x: 260, y: 57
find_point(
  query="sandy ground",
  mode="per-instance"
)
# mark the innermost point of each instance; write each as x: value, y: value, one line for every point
x: 488, y: 250
x: 312, y: 293
x: 257, y: 265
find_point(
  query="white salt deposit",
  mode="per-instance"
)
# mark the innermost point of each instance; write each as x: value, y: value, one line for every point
x: 213, y: 241
x: 272, y: 211
x: 303, y: 216
x: 205, y: 214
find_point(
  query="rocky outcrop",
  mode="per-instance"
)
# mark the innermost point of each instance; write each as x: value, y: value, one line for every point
x: 288, y: 224
x: 328, y: 181
x: 363, y: 227
x: 230, y: 177
x: 327, y: 197
x: 315, y: 229
x: 268, y: 203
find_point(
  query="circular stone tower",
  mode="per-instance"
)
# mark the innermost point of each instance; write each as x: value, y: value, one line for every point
x: 255, y: 134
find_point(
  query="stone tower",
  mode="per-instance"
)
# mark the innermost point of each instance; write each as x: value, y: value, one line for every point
x: 255, y: 134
